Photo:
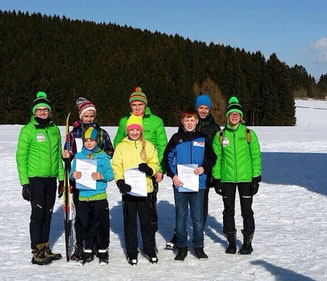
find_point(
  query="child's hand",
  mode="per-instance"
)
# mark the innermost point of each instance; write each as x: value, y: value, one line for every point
x: 199, y: 171
x: 65, y: 154
x: 76, y: 175
x: 96, y: 176
x: 177, y: 182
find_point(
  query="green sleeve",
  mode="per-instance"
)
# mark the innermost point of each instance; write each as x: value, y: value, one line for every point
x: 24, y: 140
x: 121, y: 132
x: 217, y: 149
x: 60, y: 167
x: 255, y: 155
x: 161, y: 144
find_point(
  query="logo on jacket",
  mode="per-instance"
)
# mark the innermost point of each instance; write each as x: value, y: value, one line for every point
x: 199, y: 143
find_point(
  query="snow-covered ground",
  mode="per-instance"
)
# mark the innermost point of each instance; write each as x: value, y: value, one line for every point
x: 290, y: 212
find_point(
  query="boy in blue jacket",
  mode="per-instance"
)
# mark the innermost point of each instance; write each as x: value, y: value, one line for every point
x: 93, y: 210
x: 189, y: 147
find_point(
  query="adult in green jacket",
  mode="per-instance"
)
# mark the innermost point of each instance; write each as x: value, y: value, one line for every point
x: 154, y: 132
x: 238, y: 165
x: 39, y: 166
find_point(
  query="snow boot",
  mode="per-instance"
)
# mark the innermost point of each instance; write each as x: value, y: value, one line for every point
x: 49, y: 254
x: 181, y: 254
x: 87, y: 256
x: 200, y: 254
x: 39, y: 257
x: 247, y: 247
x: 171, y: 245
x: 78, y: 253
x: 103, y: 256
x: 132, y: 259
x: 231, y: 237
x: 152, y: 256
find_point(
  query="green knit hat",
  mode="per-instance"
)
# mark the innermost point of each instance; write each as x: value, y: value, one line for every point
x: 41, y: 100
x: 234, y: 106
x: 138, y: 95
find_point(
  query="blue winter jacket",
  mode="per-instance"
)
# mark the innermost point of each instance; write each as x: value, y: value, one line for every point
x: 189, y: 148
x: 103, y: 167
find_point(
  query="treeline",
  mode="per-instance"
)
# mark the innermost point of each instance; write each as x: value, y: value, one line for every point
x: 104, y: 62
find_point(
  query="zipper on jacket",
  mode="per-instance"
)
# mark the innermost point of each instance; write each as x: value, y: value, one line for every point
x: 235, y: 160
x: 50, y: 152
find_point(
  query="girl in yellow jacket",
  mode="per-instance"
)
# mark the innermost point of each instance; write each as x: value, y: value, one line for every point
x: 135, y: 152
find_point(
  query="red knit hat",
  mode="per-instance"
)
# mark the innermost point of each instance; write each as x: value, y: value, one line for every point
x: 84, y: 105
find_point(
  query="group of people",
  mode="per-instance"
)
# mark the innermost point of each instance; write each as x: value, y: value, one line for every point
x: 223, y: 159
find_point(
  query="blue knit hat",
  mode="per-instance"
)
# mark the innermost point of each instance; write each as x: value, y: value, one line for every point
x: 202, y: 100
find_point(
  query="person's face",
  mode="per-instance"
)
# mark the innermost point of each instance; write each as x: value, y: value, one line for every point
x: 42, y: 112
x: 88, y: 117
x: 234, y: 118
x: 90, y: 144
x: 138, y: 107
x: 134, y: 134
x: 203, y: 111
x: 189, y: 123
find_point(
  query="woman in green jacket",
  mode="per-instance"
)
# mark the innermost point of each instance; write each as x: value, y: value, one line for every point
x: 39, y: 165
x: 238, y: 165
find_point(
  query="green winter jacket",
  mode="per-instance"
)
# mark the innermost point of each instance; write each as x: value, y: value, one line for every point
x: 39, y: 152
x: 153, y: 131
x: 237, y: 160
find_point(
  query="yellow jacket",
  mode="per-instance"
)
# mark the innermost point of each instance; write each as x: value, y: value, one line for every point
x: 127, y: 156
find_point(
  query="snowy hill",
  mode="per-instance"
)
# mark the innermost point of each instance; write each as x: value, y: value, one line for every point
x: 290, y: 211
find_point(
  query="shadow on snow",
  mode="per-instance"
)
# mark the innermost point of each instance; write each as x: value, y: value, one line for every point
x: 281, y: 274
x: 303, y: 169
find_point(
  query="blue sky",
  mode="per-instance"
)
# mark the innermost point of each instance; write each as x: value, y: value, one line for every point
x: 296, y: 30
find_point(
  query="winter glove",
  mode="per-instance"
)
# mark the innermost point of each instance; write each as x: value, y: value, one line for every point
x: 60, y: 189
x: 123, y: 187
x: 255, y: 185
x: 218, y: 186
x: 145, y: 169
x: 26, y: 192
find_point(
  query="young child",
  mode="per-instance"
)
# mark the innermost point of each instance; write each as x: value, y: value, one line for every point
x: 93, y: 210
x: 135, y: 152
x: 189, y: 147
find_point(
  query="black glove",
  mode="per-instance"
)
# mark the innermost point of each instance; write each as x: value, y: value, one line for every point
x: 218, y: 186
x: 255, y: 185
x: 145, y: 169
x: 60, y: 189
x: 123, y: 187
x: 26, y: 192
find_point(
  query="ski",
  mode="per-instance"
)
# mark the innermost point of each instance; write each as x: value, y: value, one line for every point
x: 68, y: 205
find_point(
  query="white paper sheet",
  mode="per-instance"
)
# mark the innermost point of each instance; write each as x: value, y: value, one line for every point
x: 137, y: 180
x: 188, y: 178
x: 86, y: 167
x: 79, y: 144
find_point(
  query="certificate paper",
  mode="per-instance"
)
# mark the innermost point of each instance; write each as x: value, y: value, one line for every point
x: 86, y: 167
x: 137, y: 180
x: 188, y: 178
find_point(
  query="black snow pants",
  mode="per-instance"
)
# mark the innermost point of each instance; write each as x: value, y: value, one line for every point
x: 246, y: 199
x: 43, y: 197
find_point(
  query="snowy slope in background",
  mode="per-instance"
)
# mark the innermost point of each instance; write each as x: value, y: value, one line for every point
x: 290, y: 212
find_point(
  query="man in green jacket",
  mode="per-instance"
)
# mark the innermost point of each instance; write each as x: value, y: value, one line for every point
x: 39, y: 165
x: 238, y: 165
x: 153, y: 131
